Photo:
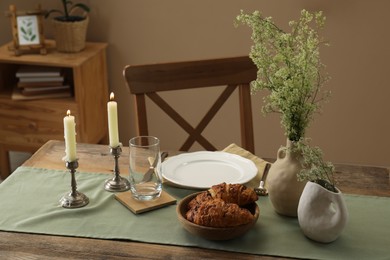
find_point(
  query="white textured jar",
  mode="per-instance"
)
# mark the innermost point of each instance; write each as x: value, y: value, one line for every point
x: 322, y: 214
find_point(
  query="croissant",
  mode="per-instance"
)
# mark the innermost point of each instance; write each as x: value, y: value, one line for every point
x: 233, y: 193
x: 199, y: 199
x: 218, y: 213
x: 230, y: 193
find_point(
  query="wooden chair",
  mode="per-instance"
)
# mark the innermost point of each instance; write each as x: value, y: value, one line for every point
x: 229, y: 73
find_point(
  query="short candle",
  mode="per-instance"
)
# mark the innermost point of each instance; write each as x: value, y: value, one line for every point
x: 70, y: 137
x: 113, y: 122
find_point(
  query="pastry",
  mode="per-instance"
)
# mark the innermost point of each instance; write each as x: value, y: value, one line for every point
x: 231, y: 193
x: 222, y: 206
x: 218, y: 213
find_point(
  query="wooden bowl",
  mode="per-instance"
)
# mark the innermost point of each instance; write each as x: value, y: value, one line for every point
x: 212, y: 233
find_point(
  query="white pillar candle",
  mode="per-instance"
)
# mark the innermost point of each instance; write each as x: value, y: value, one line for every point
x: 70, y: 137
x: 113, y: 122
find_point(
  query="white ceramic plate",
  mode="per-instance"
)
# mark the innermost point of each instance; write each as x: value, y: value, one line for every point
x: 201, y: 170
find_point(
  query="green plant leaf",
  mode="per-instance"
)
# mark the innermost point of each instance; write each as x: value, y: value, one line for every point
x: 289, y: 66
x: 314, y: 168
x: 68, y: 6
x: 47, y: 14
x: 82, y: 6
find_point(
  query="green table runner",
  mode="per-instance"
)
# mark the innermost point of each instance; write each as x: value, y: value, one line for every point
x: 29, y: 203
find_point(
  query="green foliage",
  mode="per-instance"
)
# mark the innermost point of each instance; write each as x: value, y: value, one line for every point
x: 289, y: 67
x: 68, y: 7
x: 27, y: 31
x: 314, y: 168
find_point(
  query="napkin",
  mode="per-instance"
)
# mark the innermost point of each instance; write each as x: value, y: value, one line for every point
x: 260, y: 163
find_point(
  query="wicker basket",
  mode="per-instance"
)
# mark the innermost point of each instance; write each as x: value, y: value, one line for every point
x: 70, y: 36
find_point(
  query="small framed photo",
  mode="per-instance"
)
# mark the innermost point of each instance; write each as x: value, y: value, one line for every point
x: 27, y: 30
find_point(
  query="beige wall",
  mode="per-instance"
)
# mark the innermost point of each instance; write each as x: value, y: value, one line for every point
x: 355, y: 124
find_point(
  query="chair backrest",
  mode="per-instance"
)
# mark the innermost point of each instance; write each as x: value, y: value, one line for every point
x: 230, y: 73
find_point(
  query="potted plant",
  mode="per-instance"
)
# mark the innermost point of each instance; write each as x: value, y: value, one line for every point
x: 322, y: 213
x: 289, y: 67
x: 70, y: 30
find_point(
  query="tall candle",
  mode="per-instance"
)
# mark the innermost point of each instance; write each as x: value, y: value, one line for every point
x: 113, y: 121
x: 70, y: 137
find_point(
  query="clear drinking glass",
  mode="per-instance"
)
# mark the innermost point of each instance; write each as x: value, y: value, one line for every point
x: 145, y: 167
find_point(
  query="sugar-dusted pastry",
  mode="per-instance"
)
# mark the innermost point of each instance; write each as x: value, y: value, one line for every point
x: 218, y: 213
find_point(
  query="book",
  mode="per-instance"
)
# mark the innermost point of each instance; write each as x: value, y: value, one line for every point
x: 17, y: 95
x: 38, y: 84
x: 41, y: 79
x: 38, y: 71
x: 44, y: 90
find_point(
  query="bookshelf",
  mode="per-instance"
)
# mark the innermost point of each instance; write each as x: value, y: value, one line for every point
x: 39, y: 82
x: 25, y: 125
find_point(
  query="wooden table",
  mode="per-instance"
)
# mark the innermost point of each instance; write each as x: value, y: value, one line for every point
x: 96, y: 158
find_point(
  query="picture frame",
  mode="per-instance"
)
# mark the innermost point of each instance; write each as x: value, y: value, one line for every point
x: 27, y: 30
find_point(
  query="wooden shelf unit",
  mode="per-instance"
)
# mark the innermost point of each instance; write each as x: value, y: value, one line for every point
x: 25, y: 125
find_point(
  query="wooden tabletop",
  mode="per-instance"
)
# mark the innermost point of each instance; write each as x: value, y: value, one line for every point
x: 96, y: 158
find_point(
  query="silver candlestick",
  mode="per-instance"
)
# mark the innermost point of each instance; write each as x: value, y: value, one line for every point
x: 73, y: 199
x: 117, y: 183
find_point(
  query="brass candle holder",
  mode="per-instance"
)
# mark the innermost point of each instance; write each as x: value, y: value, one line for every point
x: 116, y: 183
x: 73, y: 199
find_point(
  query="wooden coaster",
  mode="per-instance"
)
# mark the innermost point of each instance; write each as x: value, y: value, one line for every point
x: 140, y: 206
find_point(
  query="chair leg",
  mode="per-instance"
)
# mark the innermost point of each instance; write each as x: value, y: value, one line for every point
x: 4, y: 163
x: 246, y: 119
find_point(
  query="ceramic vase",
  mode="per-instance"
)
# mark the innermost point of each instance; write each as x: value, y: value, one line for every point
x: 283, y: 187
x: 322, y: 214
